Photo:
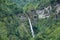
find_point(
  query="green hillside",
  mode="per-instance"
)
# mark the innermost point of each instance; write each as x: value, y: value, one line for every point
x: 14, y: 23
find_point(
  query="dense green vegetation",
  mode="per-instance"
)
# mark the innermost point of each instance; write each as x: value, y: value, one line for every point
x: 11, y: 27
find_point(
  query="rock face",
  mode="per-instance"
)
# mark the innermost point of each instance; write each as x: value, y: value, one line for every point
x: 44, y: 13
x: 33, y: 16
x: 57, y: 8
x: 40, y: 14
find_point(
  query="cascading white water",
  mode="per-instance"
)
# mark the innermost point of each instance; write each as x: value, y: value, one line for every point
x: 31, y: 27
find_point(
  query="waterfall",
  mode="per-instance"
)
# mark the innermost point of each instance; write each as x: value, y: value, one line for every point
x: 31, y: 27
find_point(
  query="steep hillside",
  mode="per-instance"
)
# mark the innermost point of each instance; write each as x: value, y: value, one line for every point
x: 29, y: 19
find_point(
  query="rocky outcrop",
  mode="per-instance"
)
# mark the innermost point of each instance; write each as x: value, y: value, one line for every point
x: 44, y: 13
x: 57, y: 8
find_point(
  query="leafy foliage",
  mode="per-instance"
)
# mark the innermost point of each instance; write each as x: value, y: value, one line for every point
x: 12, y: 27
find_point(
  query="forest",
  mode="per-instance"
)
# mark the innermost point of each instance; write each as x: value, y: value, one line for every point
x: 29, y: 19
